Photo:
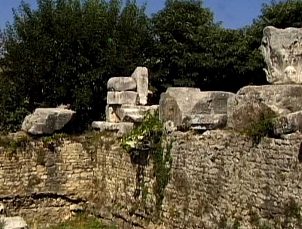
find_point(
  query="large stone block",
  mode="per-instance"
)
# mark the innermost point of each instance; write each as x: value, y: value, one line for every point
x: 140, y: 75
x: 212, y: 102
x: 121, y: 84
x: 122, y: 97
x: 255, y: 103
x: 121, y: 128
x: 46, y: 120
x: 245, y: 112
x: 135, y: 114
x: 179, y: 104
x: 282, y: 99
x: 282, y: 51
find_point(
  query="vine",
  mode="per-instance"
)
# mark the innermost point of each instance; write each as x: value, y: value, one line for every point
x: 147, y: 141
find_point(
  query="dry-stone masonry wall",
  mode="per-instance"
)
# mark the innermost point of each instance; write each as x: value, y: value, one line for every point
x: 217, y: 178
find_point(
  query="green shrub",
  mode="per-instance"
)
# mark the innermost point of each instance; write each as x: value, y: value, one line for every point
x: 260, y: 129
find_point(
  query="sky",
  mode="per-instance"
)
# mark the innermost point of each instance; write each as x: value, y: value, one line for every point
x: 232, y: 13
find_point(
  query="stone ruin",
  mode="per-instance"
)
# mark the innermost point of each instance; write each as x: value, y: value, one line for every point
x: 183, y: 108
x: 190, y: 108
x: 127, y: 99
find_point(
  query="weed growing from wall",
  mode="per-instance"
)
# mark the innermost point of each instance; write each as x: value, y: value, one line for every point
x: 53, y: 141
x: 150, y: 141
x: 260, y: 129
x: 2, y: 224
x: 12, y: 144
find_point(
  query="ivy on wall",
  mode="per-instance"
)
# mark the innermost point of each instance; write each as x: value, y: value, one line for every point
x: 148, y: 141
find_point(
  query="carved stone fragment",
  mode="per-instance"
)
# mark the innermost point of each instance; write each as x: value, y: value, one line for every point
x: 282, y: 52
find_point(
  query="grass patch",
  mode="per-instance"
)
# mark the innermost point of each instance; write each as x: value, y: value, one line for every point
x: 82, y: 222
x: 12, y: 145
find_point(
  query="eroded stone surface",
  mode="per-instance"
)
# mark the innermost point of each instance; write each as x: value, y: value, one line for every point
x: 121, y: 84
x: 121, y: 128
x: 255, y: 103
x: 46, y: 120
x: 282, y: 51
x: 282, y: 99
x: 122, y: 97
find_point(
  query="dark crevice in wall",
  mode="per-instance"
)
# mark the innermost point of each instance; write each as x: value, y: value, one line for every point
x: 43, y: 195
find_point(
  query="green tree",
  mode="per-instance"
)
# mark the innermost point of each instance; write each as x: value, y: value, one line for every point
x: 181, y: 31
x: 66, y: 50
x: 191, y: 50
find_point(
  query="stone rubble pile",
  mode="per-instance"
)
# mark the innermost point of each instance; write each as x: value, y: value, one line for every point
x: 126, y: 102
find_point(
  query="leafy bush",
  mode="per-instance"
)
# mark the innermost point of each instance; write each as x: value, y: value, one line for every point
x: 262, y: 128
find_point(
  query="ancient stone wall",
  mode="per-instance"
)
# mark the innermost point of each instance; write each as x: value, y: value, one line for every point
x: 218, y: 178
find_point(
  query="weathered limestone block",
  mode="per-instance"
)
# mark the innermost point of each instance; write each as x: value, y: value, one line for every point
x: 121, y: 84
x: 255, y: 103
x: 135, y: 114
x: 287, y: 124
x: 121, y: 128
x: 179, y: 104
x: 140, y: 75
x: 243, y: 112
x: 111, y: 115
x: 282, y: 99
x: 15, y: 222
x: 212, y: 102
x: 122, y: 97
x: 282, y: 51
x: 46, y: 120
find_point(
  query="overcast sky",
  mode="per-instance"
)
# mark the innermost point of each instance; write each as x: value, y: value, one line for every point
x: 232, y: 13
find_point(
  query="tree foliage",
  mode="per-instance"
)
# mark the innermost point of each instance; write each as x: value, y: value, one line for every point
x: 182, y: 32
